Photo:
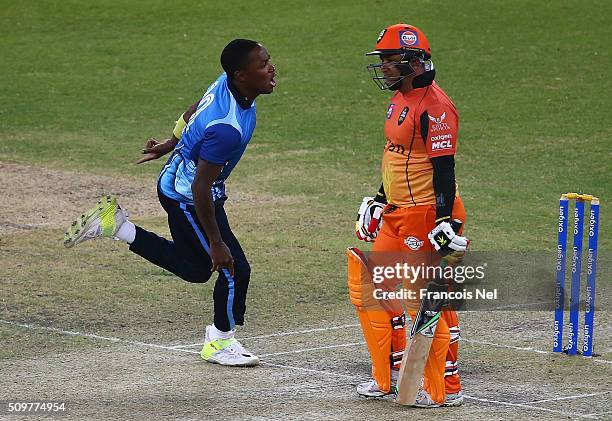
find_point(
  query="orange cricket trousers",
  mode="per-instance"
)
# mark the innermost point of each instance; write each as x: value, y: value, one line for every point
x: 405, y: 230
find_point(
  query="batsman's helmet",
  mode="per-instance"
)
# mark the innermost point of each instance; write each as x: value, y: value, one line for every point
x: 404, y: 39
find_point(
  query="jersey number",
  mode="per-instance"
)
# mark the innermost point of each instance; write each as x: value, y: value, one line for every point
x: 204, y: 103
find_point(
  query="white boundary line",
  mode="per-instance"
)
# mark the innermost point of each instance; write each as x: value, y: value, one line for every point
x: 525, y: 406
x: 92, y: 336
x: 323, y: 329
x: 272, y: 335
x: 528, y: 349
x: 598, y: 414
x: 145, y: 344
x: 180, y: 347
x: 568, y: 397
x: 518, y: 348
x: 138, y: 343
x: 312, y: 349
x: 310, y: 370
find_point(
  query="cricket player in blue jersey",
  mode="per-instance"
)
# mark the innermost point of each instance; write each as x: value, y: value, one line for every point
x: 207, y: 143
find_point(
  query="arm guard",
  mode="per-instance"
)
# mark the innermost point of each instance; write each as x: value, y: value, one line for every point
x: 444, y: 186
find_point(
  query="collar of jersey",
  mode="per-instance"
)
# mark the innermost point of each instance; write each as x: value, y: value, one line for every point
x: 242, y: 101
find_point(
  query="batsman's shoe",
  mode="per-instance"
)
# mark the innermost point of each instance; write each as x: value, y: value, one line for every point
x: 423, y: 400
x: 103, y: 220
x: 370, y: 388
x: 454, y: 399
x: 227, y: 352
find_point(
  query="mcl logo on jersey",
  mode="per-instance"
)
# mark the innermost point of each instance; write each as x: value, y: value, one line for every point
x: 441, y: 141
x: 408, y: 38
x: 446, y: 144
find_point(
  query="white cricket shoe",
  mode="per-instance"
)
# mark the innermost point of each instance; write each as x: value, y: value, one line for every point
x: 227, y: 352
x: 454, y: 399
x: 370, y: 388
x: 423, y: 400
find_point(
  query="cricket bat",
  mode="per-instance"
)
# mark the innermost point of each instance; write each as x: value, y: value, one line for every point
x: 419, y: 342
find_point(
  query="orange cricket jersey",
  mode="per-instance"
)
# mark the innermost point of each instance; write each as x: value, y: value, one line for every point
x: 420, y: 125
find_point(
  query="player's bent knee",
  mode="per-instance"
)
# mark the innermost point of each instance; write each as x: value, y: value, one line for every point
x: 242, y: 271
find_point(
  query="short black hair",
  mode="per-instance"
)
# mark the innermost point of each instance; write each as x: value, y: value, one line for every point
x: 235, y: 55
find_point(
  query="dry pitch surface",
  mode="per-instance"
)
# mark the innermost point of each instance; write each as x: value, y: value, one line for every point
x: 114, y: 338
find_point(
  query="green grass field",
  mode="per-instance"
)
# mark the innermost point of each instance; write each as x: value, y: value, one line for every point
x: 84, y: 84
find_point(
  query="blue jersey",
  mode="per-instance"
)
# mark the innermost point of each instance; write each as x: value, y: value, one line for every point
x: 218, y: 132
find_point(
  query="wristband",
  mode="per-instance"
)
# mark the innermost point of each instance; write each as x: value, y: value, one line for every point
x: 178, y: 128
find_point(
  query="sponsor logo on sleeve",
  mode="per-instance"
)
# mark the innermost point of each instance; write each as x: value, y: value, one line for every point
x: 439, y: 146
x: 439, y: 123
x: 447, y: 136
x: 441, y: 142
x: 402, y: 116
x: 438, y: 120
x: 408, y: 38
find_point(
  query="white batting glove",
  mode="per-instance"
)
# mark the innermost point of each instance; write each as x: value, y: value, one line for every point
x: 369, y: 219
x: 446, y: 241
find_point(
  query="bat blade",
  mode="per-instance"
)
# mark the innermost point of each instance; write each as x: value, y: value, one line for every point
x: 417, y: 349
x: 411, y: 371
